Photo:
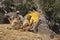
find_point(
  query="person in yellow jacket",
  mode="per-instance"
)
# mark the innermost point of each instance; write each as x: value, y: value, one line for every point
x: 31, y: 19
x: 26, y: 23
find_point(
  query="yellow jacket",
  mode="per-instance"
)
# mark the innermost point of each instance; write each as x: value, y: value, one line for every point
x: 35, y: 16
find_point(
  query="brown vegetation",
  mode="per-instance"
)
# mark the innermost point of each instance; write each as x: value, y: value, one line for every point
x: 6, y: 34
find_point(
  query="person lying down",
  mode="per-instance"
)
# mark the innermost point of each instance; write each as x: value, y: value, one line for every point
x: 16, y: 23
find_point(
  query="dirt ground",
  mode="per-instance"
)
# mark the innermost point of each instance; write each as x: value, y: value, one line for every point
x: 6, y: 34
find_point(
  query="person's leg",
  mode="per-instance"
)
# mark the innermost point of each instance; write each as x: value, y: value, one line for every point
x: 34, y: 27
x: 29, y: 29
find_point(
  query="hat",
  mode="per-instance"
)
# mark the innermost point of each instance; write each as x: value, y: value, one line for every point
x: 17, y: 12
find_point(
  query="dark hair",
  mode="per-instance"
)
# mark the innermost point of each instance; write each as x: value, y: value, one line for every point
x: 29, y: 17
x: 17, y: 13
x: 33, y: 8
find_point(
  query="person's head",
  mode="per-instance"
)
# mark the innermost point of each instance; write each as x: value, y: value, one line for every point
x: 18, y: 18
x: 33, y: 9
x: 28, y: 17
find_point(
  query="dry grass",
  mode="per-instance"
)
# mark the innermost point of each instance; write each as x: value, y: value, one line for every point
x: 6, y: 34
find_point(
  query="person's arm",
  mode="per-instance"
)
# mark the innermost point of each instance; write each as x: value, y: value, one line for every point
x: 31, y: 22
x: 14, y: 23
x: 10, y: 20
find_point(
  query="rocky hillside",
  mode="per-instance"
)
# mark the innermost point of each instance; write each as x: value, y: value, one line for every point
x: 6, y: 34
